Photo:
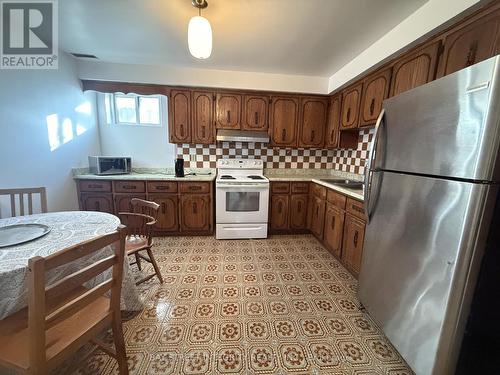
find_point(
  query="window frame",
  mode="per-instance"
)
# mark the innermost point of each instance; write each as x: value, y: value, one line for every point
x: 114, y: 120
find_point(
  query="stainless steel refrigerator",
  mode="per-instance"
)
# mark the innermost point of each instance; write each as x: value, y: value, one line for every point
x: 430, y: 191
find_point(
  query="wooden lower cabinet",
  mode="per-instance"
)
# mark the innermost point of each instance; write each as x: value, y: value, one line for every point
x: 168, y: 214
x: 354, y: 236
x: 97, y: 202
x: 333, y: 229
x: 279, y: 212
x: 317, y: 216
x: 195, y: 213
x: 122, y: 201
x: 298, y: 211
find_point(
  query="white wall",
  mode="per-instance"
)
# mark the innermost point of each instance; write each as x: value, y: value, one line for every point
x: 425, y: 19
x: 168, y: 75
x: 147, y: 145
x: 31, y: 101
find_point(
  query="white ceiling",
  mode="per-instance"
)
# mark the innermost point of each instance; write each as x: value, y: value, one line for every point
x: 301, y: 37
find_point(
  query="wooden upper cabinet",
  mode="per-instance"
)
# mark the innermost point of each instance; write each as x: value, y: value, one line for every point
x: 313, y: 113
x: 255, y: 112
x: 333, y: 123
x: 415, y: 69
x: 474, y: 42
x: 375, y: 90
x: 228, y: 111
x: 180, y: 116
x: 283, y: 120
x: 351, y: 99
x: 203, y: 117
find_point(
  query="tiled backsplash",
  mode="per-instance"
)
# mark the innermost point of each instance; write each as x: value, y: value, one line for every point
x: 352, y: 161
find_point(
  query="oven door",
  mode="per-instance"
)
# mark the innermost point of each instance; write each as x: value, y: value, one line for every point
x: 242, y: 203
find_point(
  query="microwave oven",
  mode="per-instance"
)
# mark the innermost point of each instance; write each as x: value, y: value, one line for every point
x: 107, y: 165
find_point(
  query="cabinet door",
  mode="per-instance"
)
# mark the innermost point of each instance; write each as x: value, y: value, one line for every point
x: 333, y: 229
x: 473, y: 43
x: 415, y: 69
x: 203, y: 117
x: 122, y: 201
x: 283, y: 121
x: 180, y: 116
x: 279, y: 212
x: 228, y: 111
x: 195, y: 213
x: 298, y: 211
x: 354, y: 236
x: 255, y: 112
x: 317, y: 216
x: 375, y: 90
x: 312, y: 122
x: 333, y: 123
x: 167, y: 219
x: 351, y: 99
x: 96, y: 202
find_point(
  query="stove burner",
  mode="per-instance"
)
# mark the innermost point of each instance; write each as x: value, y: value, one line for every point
x: 255, y: 177
x: 227, y: 177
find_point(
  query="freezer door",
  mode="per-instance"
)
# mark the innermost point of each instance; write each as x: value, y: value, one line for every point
x: 449, y: 127
x: 418, y: 244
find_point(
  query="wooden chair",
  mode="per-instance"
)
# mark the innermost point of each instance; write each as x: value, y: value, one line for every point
x: 62, y: 317
x: 139, y: 225
x: 19, y: 196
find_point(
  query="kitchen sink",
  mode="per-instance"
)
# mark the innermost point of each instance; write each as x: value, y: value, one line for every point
x: 351, y: 184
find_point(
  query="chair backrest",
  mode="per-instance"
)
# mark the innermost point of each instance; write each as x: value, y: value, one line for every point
x: 49, y: 305
x: 21, y: 200
x: 137, y: 224
x: 141, y: 206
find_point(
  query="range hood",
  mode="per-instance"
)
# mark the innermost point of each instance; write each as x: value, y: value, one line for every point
x: 242, y: 136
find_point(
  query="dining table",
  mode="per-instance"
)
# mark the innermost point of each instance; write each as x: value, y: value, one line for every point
x: 67, y: 228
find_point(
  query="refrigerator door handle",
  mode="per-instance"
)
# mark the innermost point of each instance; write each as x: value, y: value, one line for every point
x: 370, y: 161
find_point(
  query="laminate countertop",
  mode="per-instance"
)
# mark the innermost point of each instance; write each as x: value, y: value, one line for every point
x: 316, y: 177
x: 151, y: 174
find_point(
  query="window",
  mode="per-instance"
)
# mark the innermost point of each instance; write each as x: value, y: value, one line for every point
x: 132, y: 109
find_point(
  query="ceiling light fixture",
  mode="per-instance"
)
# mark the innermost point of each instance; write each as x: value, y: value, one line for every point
x: 200, y: 33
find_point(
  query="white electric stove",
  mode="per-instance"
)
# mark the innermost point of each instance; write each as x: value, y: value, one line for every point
x: 242, y: 199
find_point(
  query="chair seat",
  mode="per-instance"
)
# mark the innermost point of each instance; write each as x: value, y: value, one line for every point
x: 135, y: 243
x: 14, y: 338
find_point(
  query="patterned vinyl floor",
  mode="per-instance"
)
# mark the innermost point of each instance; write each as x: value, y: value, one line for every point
x: 276, y: 306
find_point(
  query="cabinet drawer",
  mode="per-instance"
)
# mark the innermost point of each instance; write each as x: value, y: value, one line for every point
x: 194, y: 187
x: 280, y: 187
x: 162, y: 187
x: 319, y: 191
x: 129, y: 186
x: 95, y: 185
x: 300, y: 187
x: 355, y: 208
x: 336, y: 199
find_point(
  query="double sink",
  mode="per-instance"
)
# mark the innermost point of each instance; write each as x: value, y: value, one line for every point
x: 345, y: 183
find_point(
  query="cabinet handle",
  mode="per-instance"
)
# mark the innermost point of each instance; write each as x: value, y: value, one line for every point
x: 299, y: 207
x: 228, y: 117
x: 97, y: 206
x: 372, y: 106
x: 182, y: 130
x: 317, y: 211
x: 333, y: 222
x: 195, y: 188
x: 162, y: 188
x: 471, y: 55
x: 312, y: 135
x: 280, y: 208
x: 163, y: 208
x: 256, y: 118
x: 283, y: 135
x: 195, y: 208
x: 348, y: 114
x: 203, y: 131
x: 95, y: 186
x: 129, y: 187
x: 355, y: 240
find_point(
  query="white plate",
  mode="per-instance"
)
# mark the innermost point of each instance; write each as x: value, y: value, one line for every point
x: 11, y: 235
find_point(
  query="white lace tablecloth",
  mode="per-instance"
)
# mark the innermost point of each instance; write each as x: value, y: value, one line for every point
x: 67, y: 229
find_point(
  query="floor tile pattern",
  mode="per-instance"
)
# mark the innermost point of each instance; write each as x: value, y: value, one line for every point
x: 283, y: 305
